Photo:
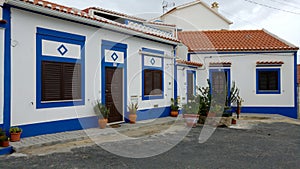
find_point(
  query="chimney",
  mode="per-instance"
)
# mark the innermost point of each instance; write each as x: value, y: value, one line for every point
x: 215, y: 6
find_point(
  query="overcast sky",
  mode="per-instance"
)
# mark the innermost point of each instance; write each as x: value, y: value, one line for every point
x: 280, y: 17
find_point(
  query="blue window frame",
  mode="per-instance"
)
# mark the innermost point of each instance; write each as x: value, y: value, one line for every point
x: 71, y: 89
x: 268, y: 81
x: 152, y: 76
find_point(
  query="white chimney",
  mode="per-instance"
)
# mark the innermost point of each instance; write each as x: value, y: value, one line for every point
x: 215, y: 6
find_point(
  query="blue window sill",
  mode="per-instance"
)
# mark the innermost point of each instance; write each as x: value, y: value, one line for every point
x: 153, y: 97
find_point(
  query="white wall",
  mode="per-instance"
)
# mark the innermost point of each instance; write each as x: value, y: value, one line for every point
x: 243, y: 72
x: 24, y: 68
x: 195, y: 17
x: 1, y: 74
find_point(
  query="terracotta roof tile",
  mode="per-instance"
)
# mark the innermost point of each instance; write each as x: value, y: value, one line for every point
x: 233, y: 40
x: 83, y: 14
x: 220, y: 64
x: 261, y: 62
x: 189, y: 63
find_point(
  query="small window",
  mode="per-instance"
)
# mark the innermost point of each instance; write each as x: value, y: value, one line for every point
x: 153, y: 82
x: 61, y: 81
x: 268, y: 81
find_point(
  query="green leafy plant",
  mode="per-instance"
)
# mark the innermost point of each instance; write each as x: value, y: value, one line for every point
x: 204, y: 99
x: 174, y: 104
x: 192, y: 106
x: 4, y: 138
x: 101, y: 110
x: 133, y: 108
x: 15, y: 130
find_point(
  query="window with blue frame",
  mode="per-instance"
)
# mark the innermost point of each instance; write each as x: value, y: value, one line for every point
x: 268, y: 81
x: 60, y: 69
x: 153, y: 74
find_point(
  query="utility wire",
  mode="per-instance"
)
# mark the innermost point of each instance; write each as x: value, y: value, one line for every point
x: 271, y: 7
x: 285, y: 4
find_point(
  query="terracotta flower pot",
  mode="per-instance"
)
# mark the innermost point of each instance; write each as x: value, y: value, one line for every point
x: 174, y: 113
x: 191, y: 119
x: 4, y: 143
x: 102, y: 123
x: 15, y: 137
x: 132, y: 118
x: 233, y: 121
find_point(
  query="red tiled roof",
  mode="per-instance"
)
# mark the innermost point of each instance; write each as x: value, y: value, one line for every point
x: 189, y: 63
x: 220, y: 64
x: 233, y: 40
x: 83, y: 14
x: 298, y: 74
x: 269, y: 62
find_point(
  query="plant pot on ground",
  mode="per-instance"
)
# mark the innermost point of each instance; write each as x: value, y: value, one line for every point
x: 102, y: 113
x: 15, y: 134
x: 190, y: 112
x: 4, y: 141
x: 132, y: 112
x: 174, y: 107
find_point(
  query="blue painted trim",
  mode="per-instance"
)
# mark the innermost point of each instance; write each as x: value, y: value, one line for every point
x: 211, y: 70
x: 60, y: 34
x: 153, y: 51
x: 152, y: 113
x: 53, y: 35
x: 257, y: 81
x: 6, y: 150
x: 295, y: 85
x: 189, y: 57
x: 285, y: 111
x: 36, y: 129
x: 145, y: 97
x: 7, y: 69
x: 109, y: 45
x: 175, y: 76
x: 194, y: 81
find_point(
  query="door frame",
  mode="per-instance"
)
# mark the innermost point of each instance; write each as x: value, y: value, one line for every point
x: 227, y: 70
x: 119, y: 47
x: 193, y: 72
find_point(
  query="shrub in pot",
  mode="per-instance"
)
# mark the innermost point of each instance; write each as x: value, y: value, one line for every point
x: 15, y: 133
x: 102, y: 113
x: 174, y: 107
x: 191, y: 112
x: 4, y: 141
x: 132, y: 112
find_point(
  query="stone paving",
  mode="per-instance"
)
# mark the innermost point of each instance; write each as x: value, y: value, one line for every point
x: 51, y: 139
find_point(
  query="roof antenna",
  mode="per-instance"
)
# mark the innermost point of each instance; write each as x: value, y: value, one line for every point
x: 166, y: 4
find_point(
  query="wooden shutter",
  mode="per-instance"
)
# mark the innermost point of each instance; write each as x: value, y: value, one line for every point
x: 61, y: 81
x: 157, y: 82
x: 152, y: 82
x: 71, y: 88
x: 147, y: 82
x: 51, y: 81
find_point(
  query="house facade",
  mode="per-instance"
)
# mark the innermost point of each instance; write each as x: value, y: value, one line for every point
x: 263, y: 67
x: 195, y: 16
x: 57, y: 61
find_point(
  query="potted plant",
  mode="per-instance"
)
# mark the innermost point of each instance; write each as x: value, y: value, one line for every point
x: 238, y: 106
x: 190, y: 112
x: 4, y: 141
x: 174, y: 107
x: 132, y: 112
x: 102, y: 112
x: 15, y: 133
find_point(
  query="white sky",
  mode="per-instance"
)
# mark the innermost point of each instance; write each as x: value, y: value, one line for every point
x: 284, y: 21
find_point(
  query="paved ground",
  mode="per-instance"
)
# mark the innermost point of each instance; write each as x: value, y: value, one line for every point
x: 263, y: 143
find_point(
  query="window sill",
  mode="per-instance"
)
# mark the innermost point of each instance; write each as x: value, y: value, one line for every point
x: 152, y: 97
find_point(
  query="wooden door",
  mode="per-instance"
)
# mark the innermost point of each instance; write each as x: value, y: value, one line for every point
x: 114, y: 93
x: 190, y: 85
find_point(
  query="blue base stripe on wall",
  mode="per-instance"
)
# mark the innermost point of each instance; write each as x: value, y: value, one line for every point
x: 150, y: 113
x: 285, y: 111
x: 6, y: 150
x: 59, y: 126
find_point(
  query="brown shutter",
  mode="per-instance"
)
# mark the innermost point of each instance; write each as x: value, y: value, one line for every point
x: 147, y: 82
x: 51, y: 81
x: 157, y: 82
x: 71, y: 81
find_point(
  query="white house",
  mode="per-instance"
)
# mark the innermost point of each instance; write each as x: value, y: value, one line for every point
x: 195, y: 16
x: 56, y: 61
x: 263, y: 66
